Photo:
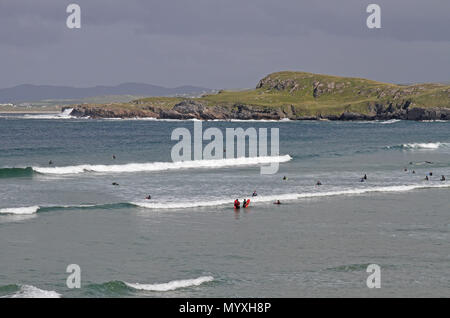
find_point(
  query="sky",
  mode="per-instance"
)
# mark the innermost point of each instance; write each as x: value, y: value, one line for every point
x: 220, y: 43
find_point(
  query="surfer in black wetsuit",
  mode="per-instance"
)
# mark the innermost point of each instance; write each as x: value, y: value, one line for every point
x: 254, y: 194
x: 318, y: 183
x: 443, y: 178
x: 365, y: 177
x: 149, y: 197
x: 277, y: 202
x: 284, y: 178
x: 426, y: 178
x: 50, y: 162
x: 114, y: 156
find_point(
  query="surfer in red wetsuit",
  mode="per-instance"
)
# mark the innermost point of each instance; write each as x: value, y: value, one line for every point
x: 237, y: 204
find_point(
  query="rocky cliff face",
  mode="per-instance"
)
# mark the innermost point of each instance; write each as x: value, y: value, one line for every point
x: 190, y: 109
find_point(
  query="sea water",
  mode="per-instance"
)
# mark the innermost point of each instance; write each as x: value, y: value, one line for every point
x: 188, y: 241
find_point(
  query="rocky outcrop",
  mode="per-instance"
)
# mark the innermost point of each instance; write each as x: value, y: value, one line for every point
x: 190, y: 109
x: 105, y: 112
x: 296, y: 96
x: 428, y: 114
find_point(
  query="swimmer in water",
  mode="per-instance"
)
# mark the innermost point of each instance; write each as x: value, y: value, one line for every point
x: 277, y: 202
x: 115, y: 184
x: 318, y: 183
x: 114, y: 156
x: 285, y: 178
x: 426, y: 178
x: 443, y: 178
x: 149, y: 197
x: 50, y: 162
x: 254, y: 194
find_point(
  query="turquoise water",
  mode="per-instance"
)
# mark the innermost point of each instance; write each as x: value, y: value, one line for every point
x: 187, y: 241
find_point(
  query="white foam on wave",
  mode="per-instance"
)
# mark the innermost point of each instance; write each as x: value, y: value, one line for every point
x: 28, y: 291
x: 160, y: 166
x: 176, y: 284
x: 382, y: 122
x: 144, y: 119
x: 390, y: 121
x: 63, y: 115
x: 286, y: 196
x: 255, y: 120
x: 21, y: 210
x: 430, y: 145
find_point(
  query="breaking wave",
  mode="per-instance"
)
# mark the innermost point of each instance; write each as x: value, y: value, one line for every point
x: 63, y: 115
x: 29, y: 291
x: 388, y: 122
x: 161, y: 166
x: 36, y: 209
x: 382, y: 122
x: 172, y: 285
x: 285, y: 197
x: 21, y: 210
x: 423, y: 146
x: 220, y: 202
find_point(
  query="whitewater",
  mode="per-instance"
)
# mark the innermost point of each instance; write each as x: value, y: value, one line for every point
x: 161, y: 166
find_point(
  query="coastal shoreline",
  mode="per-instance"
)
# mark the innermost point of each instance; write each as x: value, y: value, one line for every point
x: 186, y: 111
x: 294, y: 96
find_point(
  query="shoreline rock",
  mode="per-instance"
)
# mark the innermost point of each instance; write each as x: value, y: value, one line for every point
x: 190, y: 109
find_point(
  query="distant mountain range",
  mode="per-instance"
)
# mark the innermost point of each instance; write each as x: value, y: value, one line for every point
x: 29, y: 93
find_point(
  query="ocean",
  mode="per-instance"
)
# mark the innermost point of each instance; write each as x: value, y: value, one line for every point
x: 189, y: 241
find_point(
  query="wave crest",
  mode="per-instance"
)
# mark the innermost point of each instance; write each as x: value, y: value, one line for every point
x: 423, y: 146
x: 161, y: 166
x: 29, y: 291
x: 16, y: 172
x: 172, y: 285
x: 21, y: 210
x: 285, y: 197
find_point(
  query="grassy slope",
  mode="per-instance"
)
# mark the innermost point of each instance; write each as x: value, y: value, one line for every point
x: 286, y: 89
x: 335, y: 95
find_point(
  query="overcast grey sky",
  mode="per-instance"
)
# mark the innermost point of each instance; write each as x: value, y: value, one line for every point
x: 220, y: 43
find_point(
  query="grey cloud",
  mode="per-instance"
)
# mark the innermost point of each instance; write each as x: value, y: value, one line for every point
x: 220, y: 43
